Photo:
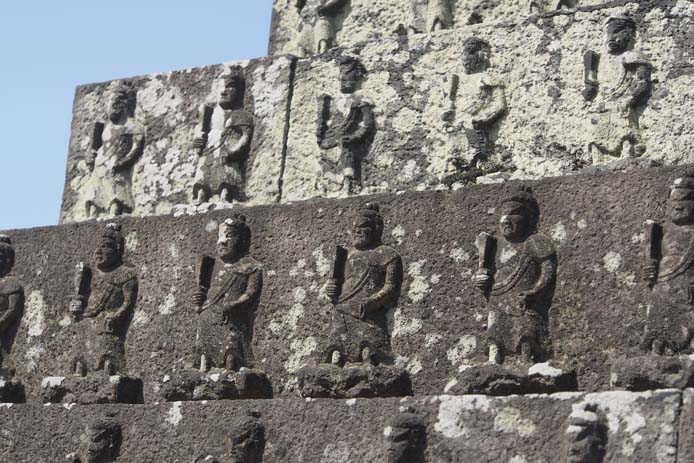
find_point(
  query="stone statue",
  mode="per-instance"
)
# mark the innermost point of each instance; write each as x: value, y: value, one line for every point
x: 223, y: 142
x: 101, y: 443
x: 326, y: 26
x: 321, y: 21
x: 669, y: 271
x: 617, y: 88
x: 115, y: 146
x: 11, y: 295
x: 517, y: 273
x: 586, y: 435
x: 365, y: 284
x: 405, y: 439
x: 248, y: 440
x: 430, y: 16
x: 227, y: 299
x: 354, y: 131
x: 477, y: 101
x: 103, y: 304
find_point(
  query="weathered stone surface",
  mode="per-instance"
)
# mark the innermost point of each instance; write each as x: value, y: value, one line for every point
x: 353, y: 381
x: 168, y: 110
x: 548, y: 127
x: 497, y: 380
x: 92, y: 390
x: 476, y: 429
x: 296, y: 30
x: 652, y: 372
x: 11, y: 391
x: 686, y: 427
x: 216, y: 385
x: 439, y: 322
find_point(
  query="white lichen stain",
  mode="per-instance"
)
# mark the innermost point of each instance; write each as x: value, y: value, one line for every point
x: 301, y: 350
x: 510, y: 420
x: 337, y: 453
x: 175, y: 416
x: 131, y: 241
x: 413, y: 366
x: 166, y: 307
x: 323, y: 264
x: 140, y: 318
x: 559, y: 233
x: 34, y: 310
x: 398, y: 233
x: 459, y: 255
x: 430, y: 340
x: 612, y: 261
x: 451, y: 415
x: 419, y: 286
x: 465, y: 348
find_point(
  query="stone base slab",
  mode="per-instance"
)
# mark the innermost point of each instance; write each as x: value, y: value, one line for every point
x: 91, y: 390
x: 353, y: 381
x: 498, y: 380
x: 652, y: 372
x: 217, y: 385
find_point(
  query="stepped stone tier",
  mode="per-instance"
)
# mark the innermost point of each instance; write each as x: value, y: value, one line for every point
x: 420, y: 231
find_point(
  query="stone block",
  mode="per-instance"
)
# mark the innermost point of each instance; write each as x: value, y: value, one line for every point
x: 328, y: 381
x: 650, y: 372
x: 190, y: 385
x: 92, y: 390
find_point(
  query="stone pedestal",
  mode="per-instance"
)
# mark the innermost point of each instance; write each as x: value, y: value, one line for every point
x: 353, y: 381
x: 216, y: 385
x: 652, y: 372
x: 501, y: 380
x: 91, y: 390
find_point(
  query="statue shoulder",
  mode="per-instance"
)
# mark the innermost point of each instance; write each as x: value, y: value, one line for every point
x: 241, y: 118
x: 248, y: 265
x: 541, y: 246
x: 124, y: 274
x: 11, y: 285
x: 384, y: 255
x: 492, y: 80
x: 636, y: 58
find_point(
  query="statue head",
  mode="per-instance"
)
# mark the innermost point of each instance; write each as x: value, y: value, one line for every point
x: 234, y: 239
x: 681, y: 199
x: 234, y: 90
x: 368, y: 229
x: 101, y: 442
x: 519, y: 215
x: 351, y: 73
x: 248, y: 440
x: 621, y: 32
x: 476, y: 54
x: 122, y: 103
x: 109, y: 254
x: 405, y: 439
x: 6, y: 256
x: 586, y: 436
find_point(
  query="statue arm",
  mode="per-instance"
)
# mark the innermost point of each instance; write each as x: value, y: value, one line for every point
x: 368, y: 126
x: 95, y: 144
x: 642, y: 88
x: 135, y: 152
x: 129, y: 299
x: 332, y: 6
x: 252, y: 293
x: 324, y: 141
x: 492, y: 112
x: 388, y: 293
x: 547, y: 274
x: 241, y: 147
x: 10, y: 315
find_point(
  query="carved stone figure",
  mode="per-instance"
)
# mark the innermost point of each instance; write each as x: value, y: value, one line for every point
x: 365, y: 284
x: 248, y: 440
x: 101, y: 443
x: 517, y: 272
x: 227, y: 299
x: 477, y: 102
x: 321, y: 21
x: 430, y: 15
x: 115, y: 147
x: 223, y: 142
x: 103, y: 304
x: 669, y: 272
x: 353, y: 131
x: 617, y: 88
x: 11, y: 294
x: 406, y: 439
x: 586, y: 436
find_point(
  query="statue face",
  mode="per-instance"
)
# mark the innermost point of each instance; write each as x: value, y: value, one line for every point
x: 402, y: 446
x: 587, y: 447
x: 108, y: 255
x: 474, y: 58
x: 349, y: 77
x: 619, y: 37
x: 231, y: 95
x: 681, y: 206
x: 5, y: 262
x: 514, y: 223
x: 229, y: 246
x: 119, y: 107
x: 102, y: 445
x: 365, y: 235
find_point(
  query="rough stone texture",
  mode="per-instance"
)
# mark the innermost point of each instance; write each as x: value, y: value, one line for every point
x: 364, y: 20
x: 547, y: 127
x: 653, y: 372
x: 353, y: 381
x: 92, y: 390
x: 497, y: 380
x: 168, y: 107
x: 11, y: 391
x: 686, y: 445
x: 476, y: 429
x: 216, y: 385
x: 597, y: 316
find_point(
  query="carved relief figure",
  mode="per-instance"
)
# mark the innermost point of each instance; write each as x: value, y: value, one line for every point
x: 430, y: 15
x: 477, y: 102
x: 517, y: 272
x: 669, y: 272
x: 406, y: 439
x: 11, y: 295
x: 101, y: 443
x: 351, y: 128
x: 321, y: 19
x: 228, y: 295
x: 223, y: 142
x: 103, y: 304
x: 248, y: 440
x: 586, y: 436
x: 366, y: 282
x: 115, y: 147
x: 617, y: 88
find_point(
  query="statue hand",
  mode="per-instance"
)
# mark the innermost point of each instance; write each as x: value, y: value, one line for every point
x: 482, y: 280
x: 76, y: 306
x: 200, y: 142
x: 331, y: 289
x: 199, y: 299
x: 650, y: 272
x: 90, y: 159
x: 590, y: 91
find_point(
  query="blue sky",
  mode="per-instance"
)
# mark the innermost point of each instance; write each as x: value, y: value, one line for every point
x: 48, y: 47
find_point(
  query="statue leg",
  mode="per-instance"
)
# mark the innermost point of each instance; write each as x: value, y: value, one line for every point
x: 495, y: 356
x: 116, y: 208
x: 367, y: 356
x: 657, y: 347
x: 224, y: 195
x: 336, y: 358
x: 203, y: 364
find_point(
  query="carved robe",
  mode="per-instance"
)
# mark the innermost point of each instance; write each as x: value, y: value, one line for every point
x: 220, y: 166
x: 519, y: 271
x: 225, y: 325
x: 9, y: 312
x: 102, y: 330
x: 371, y: 285
x: 614, y: 117
x: 671, y: 315
x: 107, y: 183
